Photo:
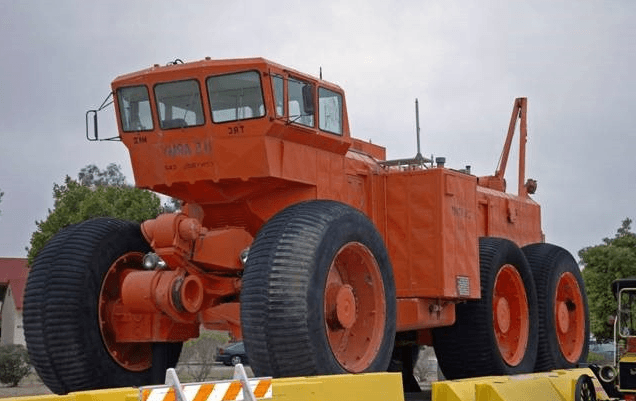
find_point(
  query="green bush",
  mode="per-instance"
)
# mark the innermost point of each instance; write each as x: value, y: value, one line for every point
x: 14, y: 364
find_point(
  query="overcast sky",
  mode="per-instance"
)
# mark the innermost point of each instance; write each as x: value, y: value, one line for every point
x: 466, y: 61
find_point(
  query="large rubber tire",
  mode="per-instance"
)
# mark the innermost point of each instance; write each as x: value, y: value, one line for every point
x: 61, y: 301
x: 564, y: 327
x: 497, y: 334
x: 313, y: 270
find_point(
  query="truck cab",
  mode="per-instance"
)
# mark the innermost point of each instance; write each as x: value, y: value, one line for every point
x: 218, y: 122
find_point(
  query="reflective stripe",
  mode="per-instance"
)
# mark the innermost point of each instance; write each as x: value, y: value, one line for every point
x: 213, y: 391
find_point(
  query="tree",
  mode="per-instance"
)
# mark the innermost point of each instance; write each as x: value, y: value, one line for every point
x: 92, y: 176
x: 614, y: 258
x: 95, y: 193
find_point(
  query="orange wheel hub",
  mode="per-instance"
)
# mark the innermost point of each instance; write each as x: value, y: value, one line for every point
x: 510, y: 315
x: 346, y: 306
x: 135, y: 357
x: 355, y: 307
x: 569, y: 317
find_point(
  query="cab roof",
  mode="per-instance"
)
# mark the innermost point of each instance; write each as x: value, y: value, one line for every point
x: 622, y: 283
x: 209, y: 66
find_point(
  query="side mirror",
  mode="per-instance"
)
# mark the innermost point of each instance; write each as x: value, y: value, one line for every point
x: 308, y: 99
x: 94, y: 135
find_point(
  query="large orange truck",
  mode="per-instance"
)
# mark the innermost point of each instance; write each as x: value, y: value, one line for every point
x: 306, y: 242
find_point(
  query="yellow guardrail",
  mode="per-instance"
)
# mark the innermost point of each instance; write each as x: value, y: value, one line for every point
x: 558, y: 385
x: 111, y: 394
x: 360, y: 387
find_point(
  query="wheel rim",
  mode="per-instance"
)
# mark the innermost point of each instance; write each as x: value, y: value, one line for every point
x: 354, y: 307
x: 135, y: 357
x: 510, y: 315
x: 236, y: 360
x: 585, y: 389
x: 569, y: 317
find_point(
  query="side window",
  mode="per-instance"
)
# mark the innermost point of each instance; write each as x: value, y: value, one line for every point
x: 277, y: 84
x: 236, y: 96
x: 134, y: 109
x: 330, y: 111
x: 179, y: 104
x: 301, y: 102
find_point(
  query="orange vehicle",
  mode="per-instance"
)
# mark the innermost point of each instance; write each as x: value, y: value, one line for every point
x: 304, y: 241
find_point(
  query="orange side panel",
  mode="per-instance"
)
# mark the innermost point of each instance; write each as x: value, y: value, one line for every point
x: 299, y: 162
x: 356, y: 194
x: 460, y: 243
x: 399, y: 240
x: 432, y: 233
x: 378, y: 207
x: 365, y: 183
x: 240, y: 158
x: 509, y: 216
x: 331, y: 177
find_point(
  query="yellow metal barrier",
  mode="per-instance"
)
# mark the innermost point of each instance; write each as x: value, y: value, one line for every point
x: 111, y: 394
x: 558, y: 385
x: 362, y: 387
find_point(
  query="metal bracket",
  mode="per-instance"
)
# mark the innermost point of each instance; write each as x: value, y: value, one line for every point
x: 172, y: 380
x: 240, y: 375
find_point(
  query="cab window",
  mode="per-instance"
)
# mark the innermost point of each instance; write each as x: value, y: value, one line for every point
x: 236, y: 97
x: 301, y: 108
x: 179, y: 104
x: 134, y: 109
x: 330, y: 111
x: 277, y: 84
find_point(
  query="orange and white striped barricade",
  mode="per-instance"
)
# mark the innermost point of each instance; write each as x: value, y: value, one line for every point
x: 238, y: 389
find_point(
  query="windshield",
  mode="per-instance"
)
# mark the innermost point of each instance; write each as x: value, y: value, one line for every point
x: 627, y: 310
x: 179, y: 104
x: 236, y: 347
x: 134, y: 109
x: 236, y: 97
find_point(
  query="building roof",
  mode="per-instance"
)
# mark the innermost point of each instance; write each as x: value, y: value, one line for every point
x: 13, y: 273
